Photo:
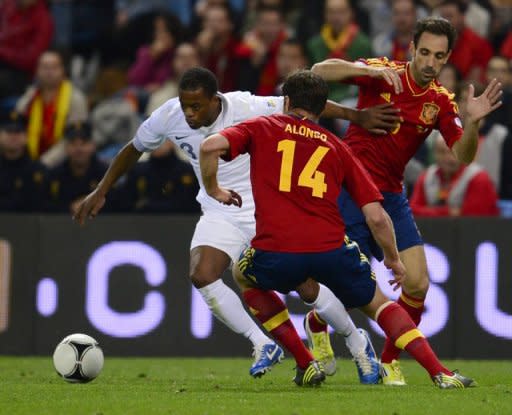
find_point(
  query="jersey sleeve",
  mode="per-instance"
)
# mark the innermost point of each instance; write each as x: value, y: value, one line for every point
x: 239, y: 137
x: 151, y: 134
x: 259, y: 106
x: 356, y: 180
x: 450, y: 124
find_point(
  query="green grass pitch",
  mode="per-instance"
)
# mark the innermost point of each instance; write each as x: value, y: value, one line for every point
x: 29, y: 385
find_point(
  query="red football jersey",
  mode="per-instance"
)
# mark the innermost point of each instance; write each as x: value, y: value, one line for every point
x: 297, y: 170
x: 422, y: 110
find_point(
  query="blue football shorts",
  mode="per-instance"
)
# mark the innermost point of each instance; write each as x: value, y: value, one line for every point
x: 344, y: 270
x: 397, y: 207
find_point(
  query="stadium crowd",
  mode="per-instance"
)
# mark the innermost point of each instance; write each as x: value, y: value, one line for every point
x: 77, y: 77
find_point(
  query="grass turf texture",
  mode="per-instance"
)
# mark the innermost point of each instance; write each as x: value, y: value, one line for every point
x: 223, y: 386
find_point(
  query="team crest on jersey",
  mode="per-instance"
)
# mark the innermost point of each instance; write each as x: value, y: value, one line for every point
x: 429, y: 113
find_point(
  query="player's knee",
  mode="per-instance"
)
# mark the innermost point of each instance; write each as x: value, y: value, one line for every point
x: 202, y: 277
x: 308, y: 291
x: 419, y: 289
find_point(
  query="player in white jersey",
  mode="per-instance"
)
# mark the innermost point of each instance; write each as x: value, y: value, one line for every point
x: 224, y: 231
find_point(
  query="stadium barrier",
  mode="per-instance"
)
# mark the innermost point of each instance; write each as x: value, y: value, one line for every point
x: 123, y: 280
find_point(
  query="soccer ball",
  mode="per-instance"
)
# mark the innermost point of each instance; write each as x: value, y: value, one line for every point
x: 78, y: 358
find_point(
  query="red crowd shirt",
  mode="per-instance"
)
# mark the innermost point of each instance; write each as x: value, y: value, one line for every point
x: 470, y: 51
x: 421, y: 109
x: 297, y: 170
x: 25, y: 33
x: 480, y: 198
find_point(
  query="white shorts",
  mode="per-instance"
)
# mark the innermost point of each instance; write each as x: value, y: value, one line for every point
x: 228, y: 234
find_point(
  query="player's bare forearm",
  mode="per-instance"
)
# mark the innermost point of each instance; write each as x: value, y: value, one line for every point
x: 335, y: 110
x: 466, y: 147
x: 338, y: 69
x: 210, y: 151
x: 122, y: 162
x: 381, y: 226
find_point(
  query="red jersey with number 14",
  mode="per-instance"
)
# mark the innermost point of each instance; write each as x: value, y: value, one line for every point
x: 297, y: 170
x: 422, y: 110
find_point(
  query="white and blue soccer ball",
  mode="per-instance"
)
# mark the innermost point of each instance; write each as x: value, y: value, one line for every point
x: 78, y: 358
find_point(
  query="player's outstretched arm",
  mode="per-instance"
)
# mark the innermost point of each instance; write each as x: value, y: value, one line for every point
x: 211, y: 149
x: 381, y: 226
x: 378, y: 119
x: 92, y: 204
x: 339, y: 70
x: 476, y: 109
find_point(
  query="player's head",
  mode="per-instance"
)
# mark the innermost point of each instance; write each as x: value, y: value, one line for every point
x: 306, y: 90
x: 198, y: 97
x: 431, y: 47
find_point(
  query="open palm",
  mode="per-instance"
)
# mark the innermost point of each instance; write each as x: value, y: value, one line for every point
x: 479, y: 107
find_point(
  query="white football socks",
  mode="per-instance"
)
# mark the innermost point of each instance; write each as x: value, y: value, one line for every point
x: 227, y: 307
x: 333, y: 312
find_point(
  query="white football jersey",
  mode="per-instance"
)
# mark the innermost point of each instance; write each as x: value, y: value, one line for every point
x: 168, y: 123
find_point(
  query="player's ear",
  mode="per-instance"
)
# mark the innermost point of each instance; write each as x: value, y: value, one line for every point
x: 286, y: 104
x: 412, y: 49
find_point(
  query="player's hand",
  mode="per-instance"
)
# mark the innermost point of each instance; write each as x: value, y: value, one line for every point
x: 391, y: 76
x: 379, y: 119
x: 227, y: 197
x: 477, y: 108
x: 89, y: 207
x: 398, y: 270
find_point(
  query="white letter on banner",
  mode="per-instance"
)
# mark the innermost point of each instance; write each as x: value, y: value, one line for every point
x: 489, y: 316
x: 102, y: 262
x: 437, y: 306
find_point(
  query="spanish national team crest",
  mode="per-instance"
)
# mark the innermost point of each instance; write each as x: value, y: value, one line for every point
x: 429, y: 113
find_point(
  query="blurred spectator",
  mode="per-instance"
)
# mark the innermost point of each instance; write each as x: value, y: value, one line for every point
x: 395, y: 43
x: 471, y: 52
x: 289, y: 9
x: 153, y: 64
x: 26, y: 30
x: 500, y: 68
x: 164, y: 184
x: 505, y: 178
x: 79, y: 174
x: 450, y: 188
x: 217, y: 45
x: 478, y: 17
x: 258, y: 51
x: 291, y: 58
x: 50, y: 104
x: 449, y: 77
x: 22, y: 180
x: 506, y: 48
x: 185, y: 58
x: 340, y: 37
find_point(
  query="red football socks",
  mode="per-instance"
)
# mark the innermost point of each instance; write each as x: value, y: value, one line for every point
x: 404, y: 334
x: 268, y: 308
x: 316, y: 324
x: 414, y: 307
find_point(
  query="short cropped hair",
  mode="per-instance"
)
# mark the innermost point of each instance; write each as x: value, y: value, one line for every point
x: 197, y: 78
x: 306, y: 90
x: 436, y: 26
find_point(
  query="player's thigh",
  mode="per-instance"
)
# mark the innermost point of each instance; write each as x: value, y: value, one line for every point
x: 406, y: 231
x: 347, y: 272
x: 278, y: 271
x: 221, y: 232
x: 207, y: 265
x: 416, y: 283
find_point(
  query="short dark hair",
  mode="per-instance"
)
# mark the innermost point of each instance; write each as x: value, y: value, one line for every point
x: 306, y: 90
x: 461, y: 6
x: 197, y: 78
x: 436, y: 26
